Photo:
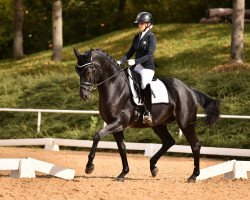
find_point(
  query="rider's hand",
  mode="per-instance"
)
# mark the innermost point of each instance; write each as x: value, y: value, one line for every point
x: 131, y: 62
x: 119, y: 62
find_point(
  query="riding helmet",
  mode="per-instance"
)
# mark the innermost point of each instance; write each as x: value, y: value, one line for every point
x: 144, y: 17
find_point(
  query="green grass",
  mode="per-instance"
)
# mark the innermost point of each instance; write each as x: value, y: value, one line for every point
x: 197, y: 54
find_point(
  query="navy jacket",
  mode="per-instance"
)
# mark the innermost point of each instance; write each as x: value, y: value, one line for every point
x: 143, y: 49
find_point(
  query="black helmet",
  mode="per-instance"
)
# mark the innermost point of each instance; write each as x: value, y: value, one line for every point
x: 144, y: 17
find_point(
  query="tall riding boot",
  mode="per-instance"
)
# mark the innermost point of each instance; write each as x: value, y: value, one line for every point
x: 147, y: 117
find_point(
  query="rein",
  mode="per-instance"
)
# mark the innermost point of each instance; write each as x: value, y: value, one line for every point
x: 97, y: 84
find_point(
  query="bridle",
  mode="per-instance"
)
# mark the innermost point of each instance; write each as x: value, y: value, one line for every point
x: 90, y: 86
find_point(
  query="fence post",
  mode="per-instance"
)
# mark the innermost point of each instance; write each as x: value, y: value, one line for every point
x: 39, y: 119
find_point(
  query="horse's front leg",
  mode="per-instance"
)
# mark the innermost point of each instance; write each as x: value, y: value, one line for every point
x: 119, y: 137
x: 110, y: 128
x: 90, y: 166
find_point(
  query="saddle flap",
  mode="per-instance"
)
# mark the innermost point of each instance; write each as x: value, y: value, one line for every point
x: 159, y: 90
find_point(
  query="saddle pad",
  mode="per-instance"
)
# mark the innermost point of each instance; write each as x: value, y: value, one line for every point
x: 159, y: 94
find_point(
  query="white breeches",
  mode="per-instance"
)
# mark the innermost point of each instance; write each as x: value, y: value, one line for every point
x: 146, y: 75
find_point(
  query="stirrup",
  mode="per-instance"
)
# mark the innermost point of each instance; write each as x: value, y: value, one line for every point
x: 147, y: 118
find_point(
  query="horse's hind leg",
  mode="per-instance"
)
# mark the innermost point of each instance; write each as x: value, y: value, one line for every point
x: 167, y: 142
x: 192, y: 139
x: 119, y: 137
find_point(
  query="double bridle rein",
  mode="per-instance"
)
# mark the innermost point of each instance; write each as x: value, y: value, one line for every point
x: 90, y: 86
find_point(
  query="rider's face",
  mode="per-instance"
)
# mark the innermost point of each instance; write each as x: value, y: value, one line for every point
x: 142, y: 26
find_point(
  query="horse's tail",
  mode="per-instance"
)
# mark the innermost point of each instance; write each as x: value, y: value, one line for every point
x: 211, y: 106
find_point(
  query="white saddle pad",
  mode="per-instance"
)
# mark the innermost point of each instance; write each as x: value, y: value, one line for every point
x: 159, y: 95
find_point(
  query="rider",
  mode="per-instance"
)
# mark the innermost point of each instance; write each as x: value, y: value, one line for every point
x: 143, y: 45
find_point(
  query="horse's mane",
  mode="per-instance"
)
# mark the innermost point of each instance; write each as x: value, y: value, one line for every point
x: 110, y: 58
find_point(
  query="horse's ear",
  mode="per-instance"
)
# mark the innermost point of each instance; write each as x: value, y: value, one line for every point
x: 76, y: 52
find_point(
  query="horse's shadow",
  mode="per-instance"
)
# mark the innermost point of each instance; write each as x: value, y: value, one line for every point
x: 106, y: 177
x: 77, y: 178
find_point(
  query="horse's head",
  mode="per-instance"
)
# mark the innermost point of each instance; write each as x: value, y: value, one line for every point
x: 86, y: 69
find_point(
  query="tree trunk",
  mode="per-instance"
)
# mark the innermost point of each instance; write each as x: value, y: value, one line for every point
x: 57, y: 25
x: 18, y: 29
x: 120, y: 14
x: 237, y: 36
x: 221, y: 12
x: 122, y: 4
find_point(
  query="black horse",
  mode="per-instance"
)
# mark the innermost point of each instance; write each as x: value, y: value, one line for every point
x: 97, y: 69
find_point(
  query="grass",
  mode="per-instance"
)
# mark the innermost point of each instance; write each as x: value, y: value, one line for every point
x: 197, y: 54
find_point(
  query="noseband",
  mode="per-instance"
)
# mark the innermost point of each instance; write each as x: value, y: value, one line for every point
x: 88, y: 85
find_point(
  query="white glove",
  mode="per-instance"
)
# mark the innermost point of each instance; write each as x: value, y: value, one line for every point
x: 119, y: 62
x: 131, y: 62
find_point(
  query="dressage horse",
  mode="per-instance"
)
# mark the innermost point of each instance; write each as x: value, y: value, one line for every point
x: 98, y: 70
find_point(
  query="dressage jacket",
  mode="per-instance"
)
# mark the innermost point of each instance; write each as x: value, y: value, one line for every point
x: 143, y: 49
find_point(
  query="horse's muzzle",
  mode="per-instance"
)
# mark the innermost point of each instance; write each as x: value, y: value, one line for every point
x: 84, y: 94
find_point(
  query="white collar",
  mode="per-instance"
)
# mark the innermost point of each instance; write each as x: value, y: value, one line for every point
x: 144, y: 32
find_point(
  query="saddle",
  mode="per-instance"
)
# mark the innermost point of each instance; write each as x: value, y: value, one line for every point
x: 158, y: 89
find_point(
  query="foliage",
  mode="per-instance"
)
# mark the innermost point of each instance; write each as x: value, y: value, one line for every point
x: 195, y: 53
x: 6, y: 14
x: 85, y: 19
x: 37, y: 25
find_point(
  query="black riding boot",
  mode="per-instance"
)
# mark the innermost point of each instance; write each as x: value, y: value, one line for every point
x: 147, y: 117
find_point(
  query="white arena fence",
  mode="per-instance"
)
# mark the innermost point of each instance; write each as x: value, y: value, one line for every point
x: 40, y: 111
x: 148, y: 148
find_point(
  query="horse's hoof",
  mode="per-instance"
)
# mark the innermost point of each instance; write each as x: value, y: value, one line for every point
x: 154, y: 172
x: 191, y: 179
x: 120, y: 179
x: 89, y: 170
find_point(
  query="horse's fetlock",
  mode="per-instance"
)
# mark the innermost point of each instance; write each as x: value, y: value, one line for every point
x: 152, y: 161
x: 91, y: 158
x: 126, y: 170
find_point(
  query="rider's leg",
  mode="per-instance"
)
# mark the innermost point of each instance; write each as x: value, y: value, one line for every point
x: 146, y: 76
x: 147, y: 117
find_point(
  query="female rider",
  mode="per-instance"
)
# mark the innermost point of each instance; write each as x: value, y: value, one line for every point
x: 143, y: 46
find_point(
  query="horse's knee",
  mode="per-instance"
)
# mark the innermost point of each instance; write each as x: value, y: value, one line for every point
x: 171, y: 142
x: 196, y: 147
x: 97, y: 137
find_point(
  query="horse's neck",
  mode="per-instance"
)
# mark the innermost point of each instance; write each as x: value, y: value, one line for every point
x: 115, y: 86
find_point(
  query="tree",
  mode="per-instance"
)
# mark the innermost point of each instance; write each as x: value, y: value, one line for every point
x: 57, y: 32
x: 18, y: 29
x: 120, y: 13
x: 121, y: 6
x: 237, y: 36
